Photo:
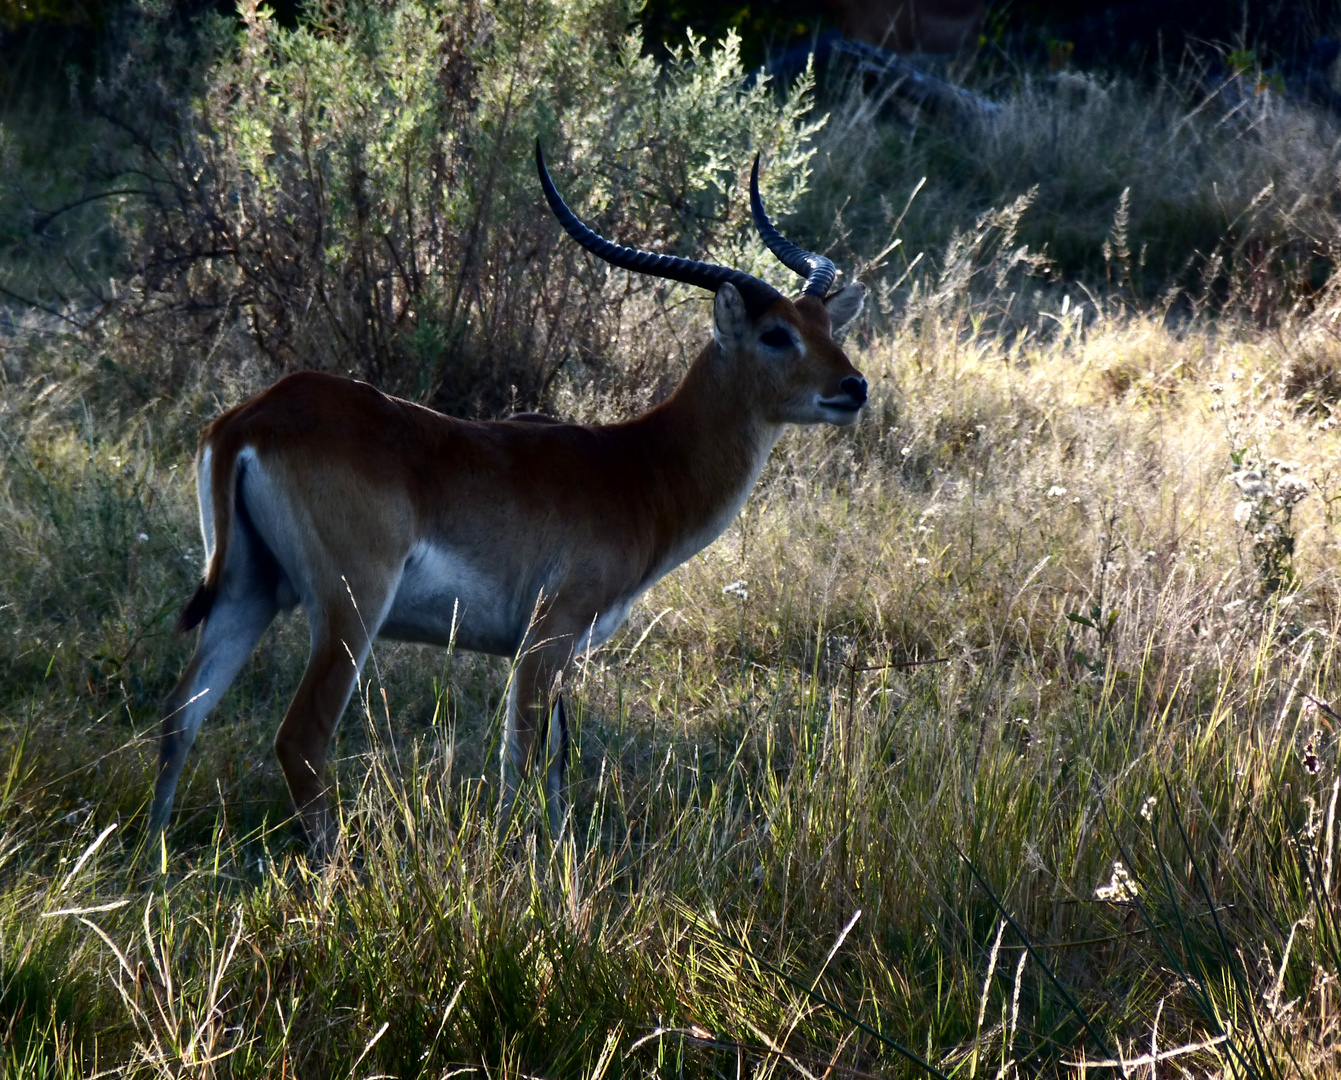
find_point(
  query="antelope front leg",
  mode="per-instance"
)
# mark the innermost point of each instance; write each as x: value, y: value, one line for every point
x: 537, y: 730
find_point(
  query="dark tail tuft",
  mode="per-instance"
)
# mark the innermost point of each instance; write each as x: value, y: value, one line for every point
x: 197, y: 608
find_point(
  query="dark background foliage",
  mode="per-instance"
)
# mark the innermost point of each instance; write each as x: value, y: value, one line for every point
x: 1123, y: 31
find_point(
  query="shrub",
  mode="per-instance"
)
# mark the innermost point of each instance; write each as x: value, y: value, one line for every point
x: 358, y: 194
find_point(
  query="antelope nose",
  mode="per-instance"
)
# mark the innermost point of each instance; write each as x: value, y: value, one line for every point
x: 855, y: 388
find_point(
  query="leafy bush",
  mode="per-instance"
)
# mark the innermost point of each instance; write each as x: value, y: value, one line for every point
x: 359, y: 194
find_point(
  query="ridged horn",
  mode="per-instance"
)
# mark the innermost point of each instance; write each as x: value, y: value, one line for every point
x: 758, y: 295
x: 818, y: 271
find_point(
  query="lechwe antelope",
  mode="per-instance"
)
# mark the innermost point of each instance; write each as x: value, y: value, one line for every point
x: 521, y: 539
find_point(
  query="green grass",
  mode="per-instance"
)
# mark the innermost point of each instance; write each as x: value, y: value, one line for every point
x: 749, y: 773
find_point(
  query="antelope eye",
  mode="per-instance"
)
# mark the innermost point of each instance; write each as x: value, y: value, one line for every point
x: 777, y: 338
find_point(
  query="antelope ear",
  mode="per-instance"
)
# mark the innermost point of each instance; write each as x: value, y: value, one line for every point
x: 845, y: 305
x: 731, y: 323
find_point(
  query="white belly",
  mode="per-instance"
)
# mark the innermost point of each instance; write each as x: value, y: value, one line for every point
x: 438, y: 588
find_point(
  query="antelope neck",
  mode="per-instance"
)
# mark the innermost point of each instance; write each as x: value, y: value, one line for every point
x: 711, y: 438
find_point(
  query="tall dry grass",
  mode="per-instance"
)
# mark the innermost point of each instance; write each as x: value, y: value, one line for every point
x: 997, y: 732
x: 1227, y: 185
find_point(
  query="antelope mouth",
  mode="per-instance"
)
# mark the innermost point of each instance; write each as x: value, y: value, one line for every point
x: 843, y: 403
x: 840, y: 411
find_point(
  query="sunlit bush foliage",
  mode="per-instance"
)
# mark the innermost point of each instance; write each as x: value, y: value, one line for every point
x: 359, y: 194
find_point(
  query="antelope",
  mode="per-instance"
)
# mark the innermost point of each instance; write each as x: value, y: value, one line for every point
x: 526, y: 538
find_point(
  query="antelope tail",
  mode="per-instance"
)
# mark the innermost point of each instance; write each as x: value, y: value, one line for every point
x: 223, y: 469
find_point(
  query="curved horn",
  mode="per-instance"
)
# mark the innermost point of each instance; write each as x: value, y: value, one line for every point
x: 758, y: 295
x: 818, y: 271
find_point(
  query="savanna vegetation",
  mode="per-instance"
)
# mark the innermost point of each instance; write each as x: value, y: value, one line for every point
x: 997, y: 737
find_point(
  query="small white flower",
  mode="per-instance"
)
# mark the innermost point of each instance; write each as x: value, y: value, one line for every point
x: 1148, y: 807
x: 737, y: 588
x: 906, y: 451
x: 1120, y: 888
x: 1243, y: 512
x: 1251, y: 483
x: 921, y: 561
x: 1056, y: 491
x: 1291, y: 489
x: 142, y: 537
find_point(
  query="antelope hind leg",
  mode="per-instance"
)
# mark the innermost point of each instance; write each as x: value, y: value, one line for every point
x: 231, y: 631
